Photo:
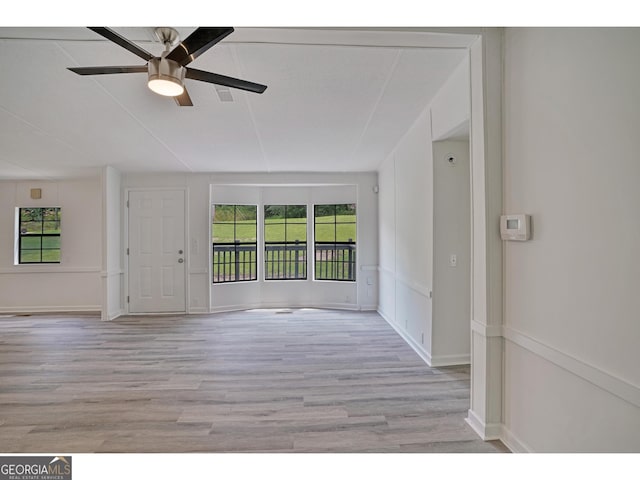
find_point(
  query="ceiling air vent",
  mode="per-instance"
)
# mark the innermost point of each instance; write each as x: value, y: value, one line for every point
x: 224, y: 94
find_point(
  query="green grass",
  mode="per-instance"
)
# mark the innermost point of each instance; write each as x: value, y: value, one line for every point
x: 326, y: 231
x: 245, y: 232
x: 340, y: 232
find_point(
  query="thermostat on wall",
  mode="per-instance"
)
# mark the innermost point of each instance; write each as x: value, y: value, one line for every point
x: 515, y: 227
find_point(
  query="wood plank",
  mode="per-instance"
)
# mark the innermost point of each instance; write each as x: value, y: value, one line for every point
x: 254, y: 381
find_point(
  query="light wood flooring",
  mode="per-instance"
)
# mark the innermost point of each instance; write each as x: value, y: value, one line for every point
x: 254, y: 381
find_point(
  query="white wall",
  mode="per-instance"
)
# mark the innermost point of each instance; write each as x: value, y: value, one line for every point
x: 571, y: 117
x: 75, y: 283
x: 406, y: 233
x: 112, y: 272
x: 406, y: 229
x: 387, y: 240
x: 451, y: 236
x: 247, y: 188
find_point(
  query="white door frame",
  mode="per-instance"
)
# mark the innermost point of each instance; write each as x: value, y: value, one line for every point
x: 125, y: 240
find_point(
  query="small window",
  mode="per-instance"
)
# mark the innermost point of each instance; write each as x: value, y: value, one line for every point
x: 234, y: 232
x: 335, y: 242
x: 285, y: 245
x: 39, y: 235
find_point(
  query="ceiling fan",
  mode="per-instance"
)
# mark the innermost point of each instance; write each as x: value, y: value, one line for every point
x: 166, y: 73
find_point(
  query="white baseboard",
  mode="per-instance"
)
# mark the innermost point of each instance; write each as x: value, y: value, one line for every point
x: 52, y: 309
x: 113, y: 315
x: 513, y: 443
x: 198, y: 310
x: 450, y: 360
x: 337, y: 306
x: 369, y: 308
x: 486, y: 431
x: 422, y: 353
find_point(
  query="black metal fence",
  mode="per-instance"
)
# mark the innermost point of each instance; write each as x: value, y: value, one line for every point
x: 285, y: 260
x: 236, y: 262
x: 335, y: 261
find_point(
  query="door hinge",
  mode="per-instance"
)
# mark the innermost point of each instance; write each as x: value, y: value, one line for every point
x: 127, y: 251
x: 127, y: 298
x: 127, y: 203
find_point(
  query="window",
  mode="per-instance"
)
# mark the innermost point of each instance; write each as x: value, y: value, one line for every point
x: 335, y: 242
x: 285, y: 245
x: 234, y: 232
x: 39, y: 235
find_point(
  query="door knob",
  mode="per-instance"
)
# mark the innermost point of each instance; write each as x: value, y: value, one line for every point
x: 180, y: 260
x: 180, y: 252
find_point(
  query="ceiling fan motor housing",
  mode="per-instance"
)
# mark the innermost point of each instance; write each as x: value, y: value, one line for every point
x: 166, y: 70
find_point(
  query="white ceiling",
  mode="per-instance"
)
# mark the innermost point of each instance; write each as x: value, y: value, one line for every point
x: 337, y: 100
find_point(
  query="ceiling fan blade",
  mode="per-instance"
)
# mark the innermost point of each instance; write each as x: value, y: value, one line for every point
x: 209, y: 77
x: 108, y: 70
x: 197, y: 43
x: 123, y: 42
x: 184, y: 100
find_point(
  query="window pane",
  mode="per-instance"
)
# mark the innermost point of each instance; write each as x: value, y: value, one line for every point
x: 31, y: 227
x: 51, y: 227
x: 30, y: 214
x: 34, y: 223
x: 30, y: 256
x: 234, y: 223
x: 234, y: 233
x: 50, y: 214
x: 274, y: 212
x: 274, y: 232
x: 51, y: 256
x: 335, y: 237
x: 246, y: 213
x: 31, y: 243
x: 51, y: 242
x: 285, y: 228
x: 296, y: 231
x: 346, y: 209
x: 346, y: 232
x: 325, y: 232
x: 296, y: 213
x: 246, y: 231
x: 296, y: 218
x: 223, y: 213
x: 324, y: 213
x: 223, y: 233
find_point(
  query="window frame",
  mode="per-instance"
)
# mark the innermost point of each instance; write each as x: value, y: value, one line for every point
x: 305, y: 243
x: 352, y: 265
x: 254, y: 274
x: 41, y: 235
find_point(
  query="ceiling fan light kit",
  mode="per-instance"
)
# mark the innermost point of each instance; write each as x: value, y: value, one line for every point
x: 166, y: 77
x: 166, y: 73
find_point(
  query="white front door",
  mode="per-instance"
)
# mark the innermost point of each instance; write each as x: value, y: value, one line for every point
x: 156, y: 251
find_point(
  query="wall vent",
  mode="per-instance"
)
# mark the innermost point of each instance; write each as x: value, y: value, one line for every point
x: 224, y: 94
